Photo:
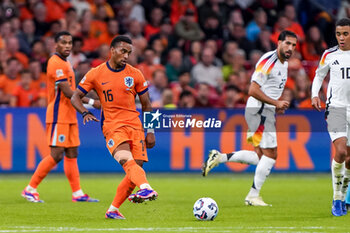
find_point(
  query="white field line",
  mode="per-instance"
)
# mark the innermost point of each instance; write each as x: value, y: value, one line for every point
x: 166, y: 229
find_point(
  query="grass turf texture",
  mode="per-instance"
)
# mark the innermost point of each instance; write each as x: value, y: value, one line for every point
x: 301, y: 203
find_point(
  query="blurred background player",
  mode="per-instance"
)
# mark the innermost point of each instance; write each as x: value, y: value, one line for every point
x: 117, y: 84
x: 266, y: 88
x: 336, y: 61
x: 61, y: 123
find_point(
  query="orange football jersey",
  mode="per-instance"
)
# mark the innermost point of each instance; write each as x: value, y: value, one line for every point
x: 59, y: 109
x: 117, y: 90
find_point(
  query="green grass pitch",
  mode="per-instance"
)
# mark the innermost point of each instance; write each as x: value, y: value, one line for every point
x: 300, y: 203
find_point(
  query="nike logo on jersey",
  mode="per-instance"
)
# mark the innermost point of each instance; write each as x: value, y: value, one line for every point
x: 335, y: 62
x: 104, y: 83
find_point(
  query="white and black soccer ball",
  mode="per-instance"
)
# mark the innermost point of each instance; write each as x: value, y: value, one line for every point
x: 205, y: 209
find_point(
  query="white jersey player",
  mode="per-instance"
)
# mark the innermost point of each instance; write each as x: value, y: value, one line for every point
x: 336, y: 61
x: 266, y: 87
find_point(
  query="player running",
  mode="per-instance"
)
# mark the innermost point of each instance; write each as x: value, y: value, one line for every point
x: 117, y: 84
x: 336, y: 60
x: 61, y: 123
x: 266, y: 87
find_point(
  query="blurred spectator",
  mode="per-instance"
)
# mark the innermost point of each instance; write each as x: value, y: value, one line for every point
x: 112, y: 31
x: 55, y: 27
x: 204, y: 98
x: 213, y: 45
x: 167, y: 97
x: 294, y: 69
x: 153, y: 27
x: 206, y: 72
x: 237, y: 64
x: 38, y: 76
x: 194, y: 56
x: 77, y: 55
x: 254, y: 57
x: 71, y: 16
x: 182, y: 85
x: 344, y: 10
x: 212, y: 28
x: 164, y: 5
x: 255, y: 26
x: 12, y: 48
x: 289, y: 11
x: 5, y: 32
x: 148, y: 67
x: 24, y: 95
x: 39, y: 52
x: 15, y: 25
x: 230, y: 48
x: 178, y: 9
x: 302, y: 87
x: 282, y: 23
x: 27, y: 10
x: 98, y: 24
x: 238, y: 34
x: 27, y: 36
x: 137, y: 12
x: 103, y: 55
x: 187, y: 100
x: 135, y: 33
x: 57, y: 9
x: 90, y: 41
x: 165, y: 35
x: 80, y: 6
x: 41, y: 25
x: 187, y: 29
x: 82, y: 68
x: 232, y: 97
x: 159, y: 51
x: 102, y: 3
x: 159, y: 84
x: 213, y: 8
x: 264, y: 42
x: 10, y: 79
x: 174, y: 65
x: 314, y: 45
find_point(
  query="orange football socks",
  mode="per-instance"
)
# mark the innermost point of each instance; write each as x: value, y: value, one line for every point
x: 124, y: 189
x: 42, y: 170
x: 135, y: 173
x: 71, y: 170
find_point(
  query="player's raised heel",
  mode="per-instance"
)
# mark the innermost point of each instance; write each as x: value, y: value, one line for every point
x: 255, y: 201
x: 143, y: 195
x: 337, y: 208
x: 114, y: 215
x: 84, y: 198
x: 211, y: 162
x: 31, y: 197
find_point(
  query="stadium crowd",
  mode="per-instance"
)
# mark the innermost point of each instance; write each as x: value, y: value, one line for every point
x: 193, y: 53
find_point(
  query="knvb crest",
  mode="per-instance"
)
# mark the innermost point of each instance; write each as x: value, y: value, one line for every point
x: 128, y: 81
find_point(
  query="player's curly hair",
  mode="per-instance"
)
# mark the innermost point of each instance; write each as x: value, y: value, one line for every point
x: 120, y: 38
x: 343, y: 22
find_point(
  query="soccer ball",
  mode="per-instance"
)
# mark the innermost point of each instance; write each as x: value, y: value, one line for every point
x: 205, y: 209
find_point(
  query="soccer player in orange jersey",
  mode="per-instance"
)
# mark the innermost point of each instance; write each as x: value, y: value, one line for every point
x: 117, y: 84
x: 61, y: 123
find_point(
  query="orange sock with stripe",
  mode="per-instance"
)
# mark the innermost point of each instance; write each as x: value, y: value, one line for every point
x: 135, y: 173
x: 124, y: 189
x: 71, y: 170
x: 42, y: 170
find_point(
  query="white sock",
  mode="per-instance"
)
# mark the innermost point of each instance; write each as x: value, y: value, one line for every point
x: 78, y: 193
x: 31, y: 189
x: 345, y: 185
x: 112, y: 208
x: 145, y: 186
x: 243, y: 156
x: 337, y: 179
x: 262, y: 171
